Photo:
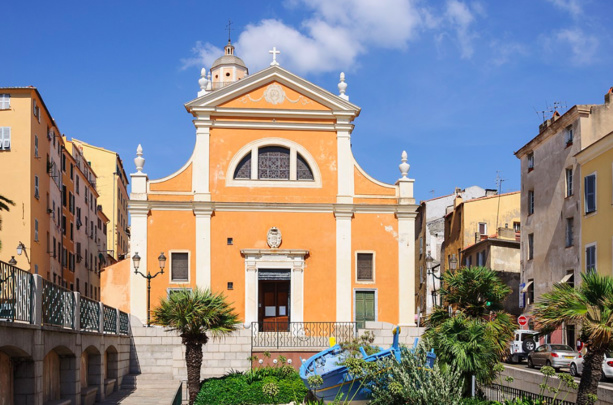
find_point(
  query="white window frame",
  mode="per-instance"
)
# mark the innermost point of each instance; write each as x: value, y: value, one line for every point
x: 5, y: 138
x: 189, y: 267
x: 374, y: 267
x: 530, y: 202
x: 484, y: 226
x: 595, y: 246
x: 595, y: 174
x: 35, y: 230
x: 36, y: 187
x: 294, y: 149
x: 569, y: 135
x: 530, y: 157
x: 5, y: 101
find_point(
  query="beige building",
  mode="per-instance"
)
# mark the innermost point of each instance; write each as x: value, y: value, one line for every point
x: 113, y: 188
x: 551, y: 204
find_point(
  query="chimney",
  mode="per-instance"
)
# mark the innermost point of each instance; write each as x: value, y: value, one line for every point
x: 609, y: 96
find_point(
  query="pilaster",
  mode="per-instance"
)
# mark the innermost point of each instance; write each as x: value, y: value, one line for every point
x: 343, y: 215
x: 201, y: 159
x: 251, y: 292
x: 344, y: 161
x: 406, y: 265
x: 203, y: 214
x: 138, y: 244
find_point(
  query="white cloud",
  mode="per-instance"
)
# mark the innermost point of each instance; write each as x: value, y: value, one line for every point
x: 336, y: 33
x: 583, y: 46
x: 461, y: 18
x: 573, y: 7
x: 505, y: 51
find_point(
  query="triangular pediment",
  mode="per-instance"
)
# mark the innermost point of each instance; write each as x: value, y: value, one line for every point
x: 273, y: 88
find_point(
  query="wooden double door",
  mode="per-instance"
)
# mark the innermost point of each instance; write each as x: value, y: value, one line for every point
x: 274, y: 305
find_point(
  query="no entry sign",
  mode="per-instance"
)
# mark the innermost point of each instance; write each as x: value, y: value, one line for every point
x: 522, y: 320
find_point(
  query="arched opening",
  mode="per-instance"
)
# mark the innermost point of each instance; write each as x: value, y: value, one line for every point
x: 59, y: 375
x: 111, y: 369
x: 16, y: 375
x: 91, y: 376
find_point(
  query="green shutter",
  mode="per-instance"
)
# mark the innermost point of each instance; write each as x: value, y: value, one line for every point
x: 364, y: 307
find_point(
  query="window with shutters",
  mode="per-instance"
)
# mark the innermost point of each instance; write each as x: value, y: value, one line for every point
x: 590, y: 193
x: 5, y: 138
x: 365, y: 267
x: 179, y: 267
x: 590, y: 258
x: 5, y: 101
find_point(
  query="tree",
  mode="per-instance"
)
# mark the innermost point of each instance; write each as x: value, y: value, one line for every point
x: 196, y: 315
x: 4, y: 206
x: 473, y: 336
x: 591, y: 305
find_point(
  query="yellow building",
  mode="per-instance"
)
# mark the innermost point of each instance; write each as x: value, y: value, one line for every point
x: 30, y: 147
x: 597, y: 206
x: 469, y: 222
x: 56, y: 217
x: 273, y: 210
x: 112, y: 185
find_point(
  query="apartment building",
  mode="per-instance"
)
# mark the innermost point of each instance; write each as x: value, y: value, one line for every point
x: 551, y: 201
x: 113, y: 189
x: 53, y: 228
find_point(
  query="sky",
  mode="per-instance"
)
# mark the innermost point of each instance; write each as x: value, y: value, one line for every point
x: 460, y: 85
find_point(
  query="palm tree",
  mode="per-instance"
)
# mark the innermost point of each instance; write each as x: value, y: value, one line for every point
x: 474, y: 335
x: 591, y: 305
x: 196, y: 315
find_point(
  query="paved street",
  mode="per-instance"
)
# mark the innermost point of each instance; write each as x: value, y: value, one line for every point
x: 524, y: 365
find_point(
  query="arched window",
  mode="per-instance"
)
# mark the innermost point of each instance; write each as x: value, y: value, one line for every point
x: 243, y: 170
x: 274, y: 163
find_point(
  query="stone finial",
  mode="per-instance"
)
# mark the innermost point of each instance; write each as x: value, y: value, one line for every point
x: 404, y: 166
x: 342, y: 87
x: 139, y: 160
x: 209, y: 83
x: 202, y: 81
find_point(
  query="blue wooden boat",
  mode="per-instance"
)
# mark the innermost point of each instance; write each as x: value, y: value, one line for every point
x: 337, y: 382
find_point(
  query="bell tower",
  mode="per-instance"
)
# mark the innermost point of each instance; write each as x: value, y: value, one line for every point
x: 228, y: 68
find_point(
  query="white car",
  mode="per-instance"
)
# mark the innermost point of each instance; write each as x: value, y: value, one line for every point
x: 524, y: 342
x: 576, y: 366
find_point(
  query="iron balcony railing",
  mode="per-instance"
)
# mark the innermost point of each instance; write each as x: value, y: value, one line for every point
x: 15, y: 293
x: 25, y: 297
x: 90, y: 314
x: 270, y: 334
x: 58, y: 305
x: 500, y: 393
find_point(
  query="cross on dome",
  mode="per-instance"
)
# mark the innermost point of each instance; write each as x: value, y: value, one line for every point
x: 274, y: 53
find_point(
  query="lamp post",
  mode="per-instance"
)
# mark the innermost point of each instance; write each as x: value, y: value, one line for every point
x: 13, y: 262
x: 430, y: 272
x: 21, y: 248
x: 136, y: 261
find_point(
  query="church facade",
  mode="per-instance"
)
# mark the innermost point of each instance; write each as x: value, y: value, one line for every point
x: 273, y: 210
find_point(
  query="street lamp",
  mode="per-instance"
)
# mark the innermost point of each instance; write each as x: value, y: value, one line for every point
x: 162, y: 262
x: 13, y: 262
x: 430, y: 272
x: 21, y: 248
x: 453, y: 262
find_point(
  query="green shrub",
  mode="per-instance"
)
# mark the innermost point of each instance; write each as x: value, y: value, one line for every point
x: 265, y: 385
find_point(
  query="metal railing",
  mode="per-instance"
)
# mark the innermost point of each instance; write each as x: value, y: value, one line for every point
x: 300, y: 334
x: 124, y: 323
x: 496, y: 392
x: 89, y: 314
x: 179, y: 395
x: 58, y: 305
x: 15, y: 293
x: 26, y: 297
x: 110, y: 319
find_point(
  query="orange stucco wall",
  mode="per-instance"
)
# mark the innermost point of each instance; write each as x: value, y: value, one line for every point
x: 302, y: 102
x: 378, y: 233
x: 115, y: 282
x: 180, y: 182
x: 225, y: 144
x: 365, y: 186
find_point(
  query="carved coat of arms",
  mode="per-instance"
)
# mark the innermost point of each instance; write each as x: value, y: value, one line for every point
x: 274, y: 237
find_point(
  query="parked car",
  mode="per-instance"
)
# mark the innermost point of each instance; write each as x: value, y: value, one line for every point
x: 524, y: 342
x: 552, y: 355
x: 576, y: 366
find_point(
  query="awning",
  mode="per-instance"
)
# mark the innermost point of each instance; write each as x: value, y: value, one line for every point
x: 566, y: 278
x: 528, y: 284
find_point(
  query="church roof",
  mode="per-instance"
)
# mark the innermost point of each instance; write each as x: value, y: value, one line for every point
x: 228, y: 60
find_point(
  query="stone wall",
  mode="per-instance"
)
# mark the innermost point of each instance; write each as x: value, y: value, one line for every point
x: 529, y: 380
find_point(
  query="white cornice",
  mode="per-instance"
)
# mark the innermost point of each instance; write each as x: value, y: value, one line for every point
x: 274, y: 252
x: 299, y: 126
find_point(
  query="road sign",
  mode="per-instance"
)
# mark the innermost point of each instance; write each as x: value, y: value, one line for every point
x: 522, y: 320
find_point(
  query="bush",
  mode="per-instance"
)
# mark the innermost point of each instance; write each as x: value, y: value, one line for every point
x: 265, y: 385
x: 410, y: 382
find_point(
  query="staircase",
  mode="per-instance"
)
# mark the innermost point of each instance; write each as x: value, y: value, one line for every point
x: 145, y: 389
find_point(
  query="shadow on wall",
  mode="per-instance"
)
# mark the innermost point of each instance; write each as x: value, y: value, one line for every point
x: 16, y: 376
